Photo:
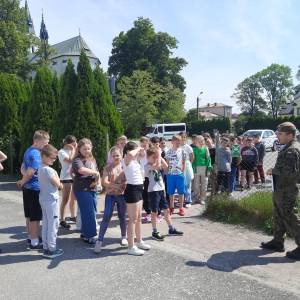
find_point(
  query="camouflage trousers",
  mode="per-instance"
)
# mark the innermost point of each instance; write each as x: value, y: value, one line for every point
x: 286, y: 217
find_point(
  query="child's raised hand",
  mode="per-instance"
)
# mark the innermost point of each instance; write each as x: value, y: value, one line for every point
x: 70, y: 147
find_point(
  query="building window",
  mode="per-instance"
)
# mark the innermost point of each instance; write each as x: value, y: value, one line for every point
x: 298, y: 110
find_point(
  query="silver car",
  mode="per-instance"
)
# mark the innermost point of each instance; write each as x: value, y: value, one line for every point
x: 268, y: 137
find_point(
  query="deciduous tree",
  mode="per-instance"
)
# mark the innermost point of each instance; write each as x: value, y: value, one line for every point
x: 277, y: 83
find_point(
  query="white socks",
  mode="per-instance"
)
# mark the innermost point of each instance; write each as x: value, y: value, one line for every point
x: 34, y: 242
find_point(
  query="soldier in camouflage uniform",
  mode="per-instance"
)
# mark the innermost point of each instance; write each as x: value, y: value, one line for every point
x: 286, y: 175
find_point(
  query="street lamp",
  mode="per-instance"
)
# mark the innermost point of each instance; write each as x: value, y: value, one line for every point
x: 198, y: 99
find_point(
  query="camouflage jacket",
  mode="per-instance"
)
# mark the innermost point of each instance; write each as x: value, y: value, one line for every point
x: 287, y: 169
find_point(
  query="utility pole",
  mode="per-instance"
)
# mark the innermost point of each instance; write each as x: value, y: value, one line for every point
x: 198, y: 99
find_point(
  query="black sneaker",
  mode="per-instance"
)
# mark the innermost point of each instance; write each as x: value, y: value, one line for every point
x: 72, y: 220
x: 274, y: 245
x: 175, y: 232
x: 39, y: 246
x: 29, y: 240
x: 157, y: 236
x: 81, y: 235
x: 55, y: 253
x: 90, y: 241
x: 248, y: 187
x: 64, y: 225
x: 255, y: 182
x: 45, y: 254
x: 295, y: 254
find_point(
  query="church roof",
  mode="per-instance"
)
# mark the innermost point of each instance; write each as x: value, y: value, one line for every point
x: 71, y: 47
x: 297, y: 96
x: 29, y: 20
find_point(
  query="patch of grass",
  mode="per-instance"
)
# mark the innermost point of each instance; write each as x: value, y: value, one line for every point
x: 254, y: 211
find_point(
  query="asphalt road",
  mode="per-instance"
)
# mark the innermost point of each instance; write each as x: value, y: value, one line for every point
x: 165, y: 272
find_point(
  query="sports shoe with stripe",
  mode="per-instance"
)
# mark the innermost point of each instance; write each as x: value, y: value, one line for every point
x: 157, y: 236
x: 55, y: 253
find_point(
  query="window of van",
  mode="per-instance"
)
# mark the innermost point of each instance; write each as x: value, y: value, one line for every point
x: 160, y: 129
x: 168, y: 128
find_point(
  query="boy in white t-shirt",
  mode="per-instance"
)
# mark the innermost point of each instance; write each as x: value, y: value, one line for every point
x: 156, y: 192
x: 49, y: 200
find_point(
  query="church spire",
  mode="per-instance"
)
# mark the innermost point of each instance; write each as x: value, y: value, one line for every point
x: 43, y: 32
x: 29, y: 20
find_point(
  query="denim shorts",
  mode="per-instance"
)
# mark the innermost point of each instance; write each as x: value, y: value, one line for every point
x: 158, y: 200
x: 175, y: 182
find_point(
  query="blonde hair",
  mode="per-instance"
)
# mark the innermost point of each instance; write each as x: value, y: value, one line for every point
x: 49, y: 150
x: 122, y: 137
x: 144, y: 139
x: 41, y: 135
x: 81, y: 143
x: 199, y: 137
x: 176, y: 137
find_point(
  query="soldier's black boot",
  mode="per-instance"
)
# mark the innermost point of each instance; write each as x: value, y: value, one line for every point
x: 295, y: 254
x: 274, y: 245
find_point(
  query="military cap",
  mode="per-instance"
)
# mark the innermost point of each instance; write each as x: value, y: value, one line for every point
x: 286, y: 126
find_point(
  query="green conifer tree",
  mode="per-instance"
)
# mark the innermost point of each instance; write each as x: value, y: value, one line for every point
x: 40, y: 108
x: 66, y: 113
x: 9, y: 121
x: 87, y: 125
x: 104, y: 108
x: 56, y: 88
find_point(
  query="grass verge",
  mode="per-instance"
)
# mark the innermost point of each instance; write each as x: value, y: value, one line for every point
x: 254, y: 211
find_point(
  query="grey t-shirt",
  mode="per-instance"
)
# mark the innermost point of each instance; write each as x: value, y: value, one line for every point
x: 84, y: 183
x: 155, y: 179
x: 48, y: 191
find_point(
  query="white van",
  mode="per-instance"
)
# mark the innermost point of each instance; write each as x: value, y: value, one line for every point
x: 166, y: 130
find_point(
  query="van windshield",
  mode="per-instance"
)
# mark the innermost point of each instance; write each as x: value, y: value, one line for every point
x: 152, y: 129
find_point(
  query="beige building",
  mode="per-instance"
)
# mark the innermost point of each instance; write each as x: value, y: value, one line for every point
x: 216, y: 110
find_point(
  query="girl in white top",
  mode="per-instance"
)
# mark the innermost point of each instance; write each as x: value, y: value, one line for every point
x: 133, y: 196
x: 189, y: 174
x: 66, y: 155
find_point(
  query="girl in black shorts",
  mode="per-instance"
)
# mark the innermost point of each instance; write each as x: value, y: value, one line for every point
x: 133, y: 196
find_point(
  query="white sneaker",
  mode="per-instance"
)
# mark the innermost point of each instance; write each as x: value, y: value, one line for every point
x: 202, y: 202
x: 143, y: 246
x: 188, y: 205
x: 263, y: 185
x: 231, y: 194
x: 124, y: 242
x: 97, y: 248
x: 135, y: 251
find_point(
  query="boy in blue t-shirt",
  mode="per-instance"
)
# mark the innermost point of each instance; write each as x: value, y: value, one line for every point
x: 31, y: 188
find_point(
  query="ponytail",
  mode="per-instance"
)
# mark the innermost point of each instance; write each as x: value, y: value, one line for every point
x: 128, y: 147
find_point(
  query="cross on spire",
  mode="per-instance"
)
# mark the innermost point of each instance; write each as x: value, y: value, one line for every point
x: 79, y: 31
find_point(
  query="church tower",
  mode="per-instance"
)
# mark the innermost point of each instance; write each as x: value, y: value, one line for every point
x: 29, y: 25
x: 29, y: 20
x: 44, y: 36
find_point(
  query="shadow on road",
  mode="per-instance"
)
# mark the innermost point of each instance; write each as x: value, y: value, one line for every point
x: 230, y: 261
x: 18, y: 251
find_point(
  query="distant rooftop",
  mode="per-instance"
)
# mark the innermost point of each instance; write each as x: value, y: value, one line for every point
x: 208, y: 105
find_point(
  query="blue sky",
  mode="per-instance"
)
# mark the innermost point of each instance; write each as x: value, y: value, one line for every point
x: 224, y: 41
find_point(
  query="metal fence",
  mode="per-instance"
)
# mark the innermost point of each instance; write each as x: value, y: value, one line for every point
x: 244, y: 182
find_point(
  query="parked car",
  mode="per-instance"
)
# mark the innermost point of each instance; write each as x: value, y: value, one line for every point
x: 268, y: 137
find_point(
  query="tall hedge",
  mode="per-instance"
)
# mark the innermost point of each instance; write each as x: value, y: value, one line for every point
x: 87, y: 124
x: 196, y: 127
x: 104, y: 108
x: 40, y: 109
x: 66, y: 113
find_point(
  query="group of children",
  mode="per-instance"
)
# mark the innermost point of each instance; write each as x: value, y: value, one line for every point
x: 135, y: 178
